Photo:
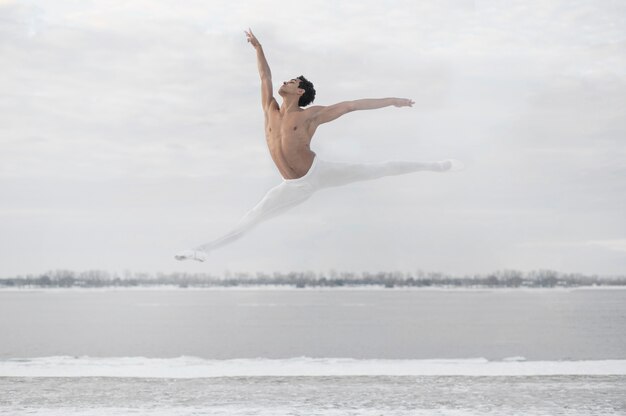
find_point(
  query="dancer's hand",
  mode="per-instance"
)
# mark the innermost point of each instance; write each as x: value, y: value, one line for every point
x: 403, y: 102
x: 251, y: 38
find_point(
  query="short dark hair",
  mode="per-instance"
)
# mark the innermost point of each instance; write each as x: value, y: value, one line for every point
x: 309, y: 92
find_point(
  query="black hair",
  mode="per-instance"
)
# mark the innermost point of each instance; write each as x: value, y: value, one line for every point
x: 309, y: 92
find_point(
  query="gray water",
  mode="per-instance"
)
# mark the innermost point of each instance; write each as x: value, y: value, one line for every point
x: 540, y: 325
x: 409, y: 324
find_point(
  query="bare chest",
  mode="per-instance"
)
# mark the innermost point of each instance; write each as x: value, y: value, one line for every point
x: 288, y: 139
x: 287, y: 130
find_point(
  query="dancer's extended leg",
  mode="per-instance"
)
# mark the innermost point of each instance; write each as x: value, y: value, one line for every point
x: 330, y: 174
x: 277, y: 200
x: 322, y: 175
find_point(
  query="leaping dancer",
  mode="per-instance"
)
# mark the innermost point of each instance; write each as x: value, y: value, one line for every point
x: 289, y: 129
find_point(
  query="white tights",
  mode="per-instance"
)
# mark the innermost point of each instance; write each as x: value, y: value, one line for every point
x: 321, y: 175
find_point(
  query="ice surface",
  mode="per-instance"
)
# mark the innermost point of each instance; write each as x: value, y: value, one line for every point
x: 322, y: 396
x: 193, y: 367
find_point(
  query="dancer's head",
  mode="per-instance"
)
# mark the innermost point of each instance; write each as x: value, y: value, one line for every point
x: 301, y: 87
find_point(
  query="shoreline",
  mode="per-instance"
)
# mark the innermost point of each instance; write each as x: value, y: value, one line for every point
x: 196, y: 367
x: 306, y: 288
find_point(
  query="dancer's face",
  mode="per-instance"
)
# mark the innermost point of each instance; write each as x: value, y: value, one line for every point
x: 291, y: 87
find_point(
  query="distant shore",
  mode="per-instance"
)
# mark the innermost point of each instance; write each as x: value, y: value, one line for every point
x: 295, y: 288
x: 503, y: 279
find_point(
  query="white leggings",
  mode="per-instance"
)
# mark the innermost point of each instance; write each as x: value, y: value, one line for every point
x: 321, y: 175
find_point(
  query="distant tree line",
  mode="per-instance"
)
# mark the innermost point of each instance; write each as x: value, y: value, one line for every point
x: 499, y: 279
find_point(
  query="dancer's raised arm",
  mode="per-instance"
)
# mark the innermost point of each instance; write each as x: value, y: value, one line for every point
x: 324, y: 114
x: 265, y: 73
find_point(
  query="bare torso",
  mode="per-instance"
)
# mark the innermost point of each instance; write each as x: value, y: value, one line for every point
x: 288, y: 138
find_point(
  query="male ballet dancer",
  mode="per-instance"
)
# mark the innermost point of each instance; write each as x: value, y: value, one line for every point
x: 288, y: 132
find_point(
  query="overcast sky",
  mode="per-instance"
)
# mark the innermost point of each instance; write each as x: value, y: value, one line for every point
x: 132, y: 130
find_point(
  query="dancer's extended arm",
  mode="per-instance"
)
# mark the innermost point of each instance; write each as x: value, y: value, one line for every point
x: 265, y: 73
x: 324, y: 114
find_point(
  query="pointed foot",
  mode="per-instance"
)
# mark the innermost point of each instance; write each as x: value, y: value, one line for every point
x: 191, y: 255
x: 452, y: 165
